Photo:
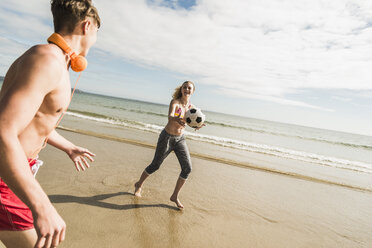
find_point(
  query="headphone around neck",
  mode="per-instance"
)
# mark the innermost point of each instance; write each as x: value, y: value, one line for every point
x: 78, y: 62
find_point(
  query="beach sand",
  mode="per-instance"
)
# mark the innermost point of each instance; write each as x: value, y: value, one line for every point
x: 225, y: 205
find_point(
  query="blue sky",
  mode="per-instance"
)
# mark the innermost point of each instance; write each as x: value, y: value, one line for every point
x: 295, y: 61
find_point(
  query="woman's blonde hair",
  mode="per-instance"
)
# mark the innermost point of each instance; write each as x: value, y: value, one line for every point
x: 178, y: 92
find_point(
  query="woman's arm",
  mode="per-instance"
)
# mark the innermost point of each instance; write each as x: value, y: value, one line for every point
x: 172, y: 110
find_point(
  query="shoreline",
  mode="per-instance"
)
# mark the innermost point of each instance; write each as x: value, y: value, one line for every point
x: 223, y: 160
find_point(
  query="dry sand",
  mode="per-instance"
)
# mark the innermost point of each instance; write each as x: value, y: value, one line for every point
x: 225, y: 205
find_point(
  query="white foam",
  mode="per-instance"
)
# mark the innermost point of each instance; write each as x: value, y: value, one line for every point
x: 242, y: 145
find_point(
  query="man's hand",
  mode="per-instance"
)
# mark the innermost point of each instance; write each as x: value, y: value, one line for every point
x: 50, y: 228
x: 78, y: 155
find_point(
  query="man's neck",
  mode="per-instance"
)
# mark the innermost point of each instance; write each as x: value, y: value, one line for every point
x: 73, y: 41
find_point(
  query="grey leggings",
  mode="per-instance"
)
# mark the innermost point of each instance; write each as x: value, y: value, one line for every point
x: 166, y: 144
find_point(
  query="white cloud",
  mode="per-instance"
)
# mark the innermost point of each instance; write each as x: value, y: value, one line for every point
x: 267, y: 48
x: 342, y: 99
x: 244, y: 94
x: 22, y: 24
x: 26, y: 21
x: 366, y: 94
x: 272, y: 47
x: 8, y: 55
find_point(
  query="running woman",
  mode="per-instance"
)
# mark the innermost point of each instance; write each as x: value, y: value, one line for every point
x: 173, y: 139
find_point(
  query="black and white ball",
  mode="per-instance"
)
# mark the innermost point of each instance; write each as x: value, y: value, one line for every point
x: 194, y: 117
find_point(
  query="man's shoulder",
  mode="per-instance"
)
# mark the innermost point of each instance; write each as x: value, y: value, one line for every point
x: 44, y: 52
x: 40, y: 65
x: 46, y: 56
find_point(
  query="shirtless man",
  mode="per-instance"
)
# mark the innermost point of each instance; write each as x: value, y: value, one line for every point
x: 35, y: 92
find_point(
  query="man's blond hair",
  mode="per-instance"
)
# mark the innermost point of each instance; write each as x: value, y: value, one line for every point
x: 68, y: 13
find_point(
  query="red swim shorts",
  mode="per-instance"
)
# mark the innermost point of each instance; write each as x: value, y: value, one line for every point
x: 14, y: 214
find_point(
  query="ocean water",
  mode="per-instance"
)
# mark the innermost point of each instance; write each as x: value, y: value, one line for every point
x: 345, y: 151
x: 311, y: 147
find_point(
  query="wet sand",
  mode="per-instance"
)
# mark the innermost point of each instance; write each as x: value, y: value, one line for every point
x: 225, y: 205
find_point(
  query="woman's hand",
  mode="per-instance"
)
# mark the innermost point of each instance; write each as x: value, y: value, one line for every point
x: 78, y: 155
x: 196, y: 129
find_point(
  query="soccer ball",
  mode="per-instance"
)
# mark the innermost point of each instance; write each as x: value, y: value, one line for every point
x: 194, y: 117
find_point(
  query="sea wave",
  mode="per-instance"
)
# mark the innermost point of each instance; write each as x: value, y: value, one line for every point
x: 236, y: 144
x: 114, y: 121
x: 249, y: 129
x: 284, y: 153
x: 138, y: 111
x: 277, y: 133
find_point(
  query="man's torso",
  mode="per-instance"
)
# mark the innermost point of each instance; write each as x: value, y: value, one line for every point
x: 51, y: 108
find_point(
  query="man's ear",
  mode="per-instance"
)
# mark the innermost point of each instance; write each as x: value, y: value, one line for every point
x: 86, y: 26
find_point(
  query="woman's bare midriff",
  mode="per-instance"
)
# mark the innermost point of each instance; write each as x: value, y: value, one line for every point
x: 174, y: 128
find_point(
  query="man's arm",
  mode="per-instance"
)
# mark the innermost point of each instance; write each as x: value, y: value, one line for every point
x: 76, y: 153
x: 35, y: 76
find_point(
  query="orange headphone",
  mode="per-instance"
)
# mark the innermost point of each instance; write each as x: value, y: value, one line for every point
x: 78, y: 62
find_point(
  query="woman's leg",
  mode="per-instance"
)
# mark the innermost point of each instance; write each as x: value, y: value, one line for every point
x: 183, y: 155
x: 138, y: 185
x: 174, y: 196
x: 163, y: 148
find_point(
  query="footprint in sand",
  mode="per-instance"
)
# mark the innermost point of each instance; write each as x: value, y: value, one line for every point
x: 114, y: 180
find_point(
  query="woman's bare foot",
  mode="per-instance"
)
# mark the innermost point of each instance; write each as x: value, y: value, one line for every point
x: 137, y: 190
x: 177, y: 201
